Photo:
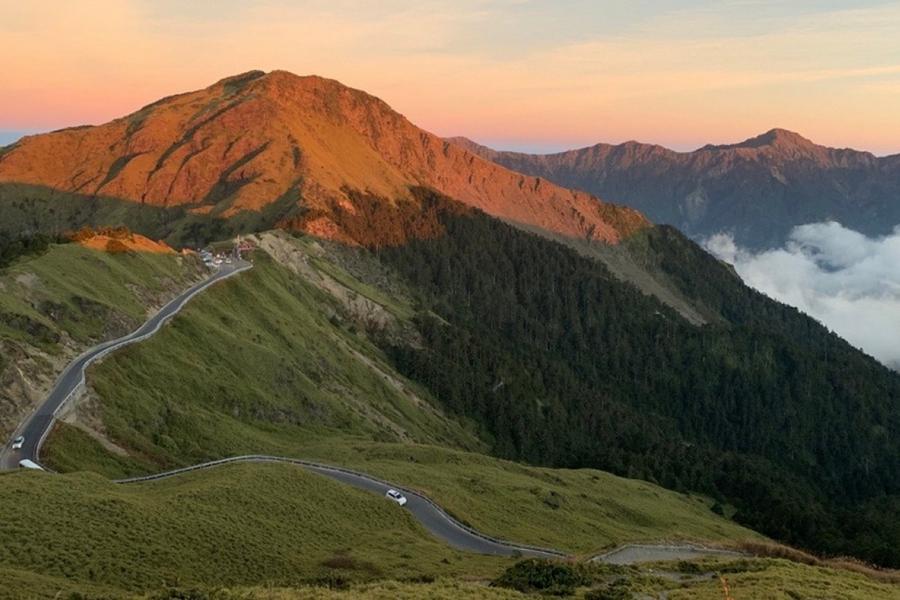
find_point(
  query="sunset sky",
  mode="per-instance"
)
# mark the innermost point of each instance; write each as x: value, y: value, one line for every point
x: 536, y: 76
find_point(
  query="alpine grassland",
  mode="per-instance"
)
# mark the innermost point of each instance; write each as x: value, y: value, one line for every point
x: 241, y: 525
x: 258, y: 363
x: 58, y: 301
x: 86, y: 294
x: 269, y: 363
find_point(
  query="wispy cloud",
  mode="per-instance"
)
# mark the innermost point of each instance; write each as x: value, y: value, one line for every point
x: 846, y: 280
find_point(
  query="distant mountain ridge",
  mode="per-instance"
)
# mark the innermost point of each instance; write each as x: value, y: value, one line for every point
x: 313, y: 144
x: 757, y: 189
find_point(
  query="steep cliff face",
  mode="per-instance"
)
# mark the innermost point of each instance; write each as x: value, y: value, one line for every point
x: 757, y: 189
x: 250, y: 140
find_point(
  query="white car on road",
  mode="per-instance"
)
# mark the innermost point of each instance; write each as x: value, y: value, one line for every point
x: 18, y: 442
x: 396, y: 496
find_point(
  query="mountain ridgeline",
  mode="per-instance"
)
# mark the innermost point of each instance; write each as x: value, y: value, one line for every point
x: 260, y: 150
x: 757, y: 189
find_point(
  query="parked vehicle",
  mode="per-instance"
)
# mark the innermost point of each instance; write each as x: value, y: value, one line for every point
x: 396, y: 496
x: 30, y: 464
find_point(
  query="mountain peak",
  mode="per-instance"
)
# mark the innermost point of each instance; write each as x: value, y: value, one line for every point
x: 241, y: 78
x: 255, y: 138
x: 285, y: 86
x: 781, y: 139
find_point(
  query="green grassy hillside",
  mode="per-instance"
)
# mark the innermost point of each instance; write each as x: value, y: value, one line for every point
x: 260, y: 363
x: 55, y: 304
x: 86, y: 293
x: 269, y: 362
x: 747, y: 580
x: 580, y: 511
x: 774, y: 579
x: 271, y: 531
x: 238, y: 525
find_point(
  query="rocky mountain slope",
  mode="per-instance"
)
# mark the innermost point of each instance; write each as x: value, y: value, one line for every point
x: 757, y: 189
x: 310, y: 143
x: 263, y: 150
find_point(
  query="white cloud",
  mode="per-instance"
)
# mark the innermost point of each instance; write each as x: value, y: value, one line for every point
x: 846, y: 280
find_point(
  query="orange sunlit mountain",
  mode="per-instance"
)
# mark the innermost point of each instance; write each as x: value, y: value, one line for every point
x: 249, y: 140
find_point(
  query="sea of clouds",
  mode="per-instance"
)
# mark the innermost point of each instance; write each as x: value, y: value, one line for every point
x: 846, y: 280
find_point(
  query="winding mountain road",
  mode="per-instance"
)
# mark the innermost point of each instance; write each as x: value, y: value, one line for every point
x: 430, y: 515
x: 443, y: 526
x: 36, y: 427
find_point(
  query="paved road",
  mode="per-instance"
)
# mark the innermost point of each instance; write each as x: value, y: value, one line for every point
x: 36, y: 427
x: 429, y: 514
x: 631, y: 554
